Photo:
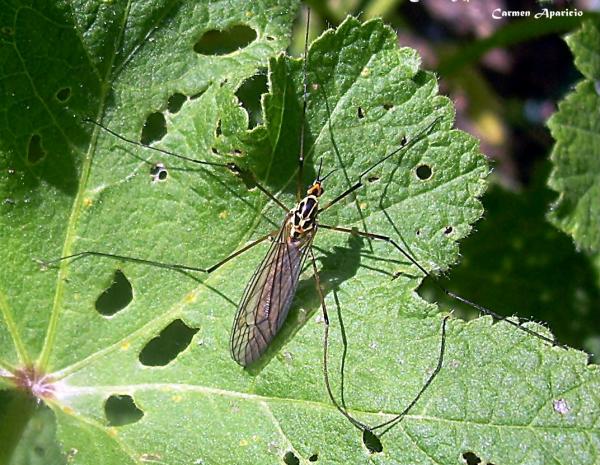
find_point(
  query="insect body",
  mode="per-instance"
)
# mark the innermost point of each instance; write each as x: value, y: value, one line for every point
x: 269, y: 294
x: 304, y: 215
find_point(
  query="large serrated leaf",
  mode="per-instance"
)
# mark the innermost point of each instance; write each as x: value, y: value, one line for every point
x: 502, y: 394
x: 576, y: 155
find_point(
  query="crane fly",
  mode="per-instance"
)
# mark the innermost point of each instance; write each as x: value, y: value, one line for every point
x: 269, y: 294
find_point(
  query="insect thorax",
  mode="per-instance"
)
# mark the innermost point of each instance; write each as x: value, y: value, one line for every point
x: 302, y: 218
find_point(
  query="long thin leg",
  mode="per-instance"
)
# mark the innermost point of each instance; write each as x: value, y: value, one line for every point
x: 351, y: 419
x: 304, y: 99
x: 230, y: 166
x: 404, y: 145
x: 451, y: 294
x: 393, y: 421
x: 344, y: 352
x: 342, y: 408
x: 169, y: 266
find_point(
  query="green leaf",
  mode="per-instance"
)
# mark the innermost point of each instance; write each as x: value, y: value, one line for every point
x: 502, y: 395
x: 510, y: 265
x: 576, y: 156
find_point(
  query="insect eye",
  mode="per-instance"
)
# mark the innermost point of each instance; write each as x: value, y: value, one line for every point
x: 316, y: 189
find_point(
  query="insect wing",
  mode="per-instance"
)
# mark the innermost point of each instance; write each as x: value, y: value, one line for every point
x: 268, y: 297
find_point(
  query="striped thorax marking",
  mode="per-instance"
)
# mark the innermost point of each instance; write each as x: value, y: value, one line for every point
x: 303, y: 217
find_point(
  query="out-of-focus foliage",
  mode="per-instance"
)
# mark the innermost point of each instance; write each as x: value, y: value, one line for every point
x: 576, y: 155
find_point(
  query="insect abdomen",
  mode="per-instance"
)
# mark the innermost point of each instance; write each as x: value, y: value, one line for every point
x: 267, y: 300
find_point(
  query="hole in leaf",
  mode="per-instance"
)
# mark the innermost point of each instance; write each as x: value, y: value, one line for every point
x: 470, y: 458
x: 154, y: 128
x: 175, y: 102
x: 421, y: 78
x: 388, y: 106
x: 372, y: 442
x: 313, y: 458
x: 116, y: 296
x: 270, y: 38
x: 418, y: 232
x: 167, y: 345
x: 424, y: 172
x: 35, y: 151
x: 218, y: 129
x: 214, y: 150
x: 121, y: 410
x: 360, y: 113
x: 290, y: 459
x: 158, y: 173
x: 448, y: 230
x: 373, y: 178
x: 63, y: 94
x: 249, y: 95
x: 216, y: 42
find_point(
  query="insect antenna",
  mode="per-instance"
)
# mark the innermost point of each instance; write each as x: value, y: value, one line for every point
x: 320, y: 168
x: 327, y: 175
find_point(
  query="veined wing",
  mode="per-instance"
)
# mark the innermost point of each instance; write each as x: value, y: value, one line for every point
x: 268, y: 297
